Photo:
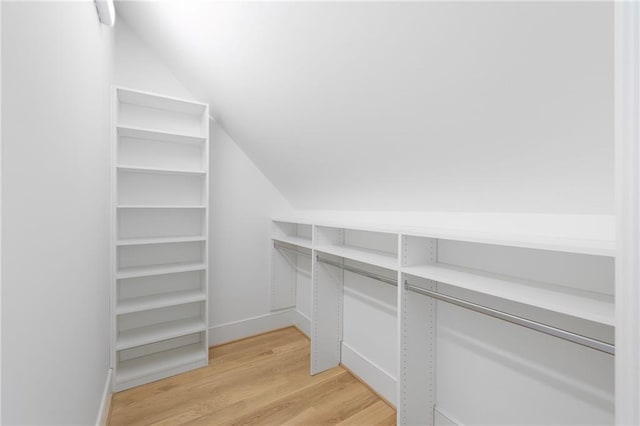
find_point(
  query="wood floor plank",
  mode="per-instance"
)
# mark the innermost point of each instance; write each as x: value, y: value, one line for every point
x: 379, y: 414
x: 228, y: 386
x: 230, y: 413
x: 263, y: 380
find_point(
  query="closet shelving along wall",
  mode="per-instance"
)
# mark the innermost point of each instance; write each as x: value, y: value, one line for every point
x: 160, y: 207
x: 562, y: 288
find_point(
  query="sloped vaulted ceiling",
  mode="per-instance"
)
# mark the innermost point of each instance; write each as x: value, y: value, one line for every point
x: 405, y: 106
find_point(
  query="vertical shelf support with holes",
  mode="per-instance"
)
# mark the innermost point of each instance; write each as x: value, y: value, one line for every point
x: 159, y: 236
x: 417, y: 313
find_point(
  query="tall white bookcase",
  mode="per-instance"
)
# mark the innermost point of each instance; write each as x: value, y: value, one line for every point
x: 160, y: 209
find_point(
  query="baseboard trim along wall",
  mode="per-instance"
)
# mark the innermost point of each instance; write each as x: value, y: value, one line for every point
x: 235, y: 330
x: 105, y: 403
x: 442, y: 419
x: 302, y: 322
x: 378, y: 379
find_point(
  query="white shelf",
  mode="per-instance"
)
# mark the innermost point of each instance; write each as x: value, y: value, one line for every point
x: 371, y: 257
x: 131, y: 206
x: 158, y: 332
x: 158, y: 362
x: 580, y: 304
x: 155, y: 170
x: 566, y: 245
x: 159, y: 240
x: 152, y: 100
x: 591, y: 239
x: 157, y: 135
x: 138, y: 304
x: 296, y: 241
x: 146, y: 271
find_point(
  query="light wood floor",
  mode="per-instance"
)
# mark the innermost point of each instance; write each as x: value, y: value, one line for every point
x: 261, y: 380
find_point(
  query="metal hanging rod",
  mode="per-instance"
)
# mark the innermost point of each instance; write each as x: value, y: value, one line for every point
x: 533, y: 325
x: 281, y: 247
x: 358, y: 271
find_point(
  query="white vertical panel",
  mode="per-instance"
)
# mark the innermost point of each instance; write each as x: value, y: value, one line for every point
x: 417, y: 383
x: 627, y: 45
x: 417, y: 380
x: 326, y: 316
x: 0, y: 218
x: 206, y: 197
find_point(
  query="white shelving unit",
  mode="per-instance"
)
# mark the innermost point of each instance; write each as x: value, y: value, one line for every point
x: 432, y: 259
x: 160, y: 198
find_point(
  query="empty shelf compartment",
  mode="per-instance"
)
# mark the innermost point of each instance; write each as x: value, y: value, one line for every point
x: 585, y: 305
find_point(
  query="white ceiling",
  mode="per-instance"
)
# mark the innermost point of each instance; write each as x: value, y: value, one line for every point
x: 405, y: 106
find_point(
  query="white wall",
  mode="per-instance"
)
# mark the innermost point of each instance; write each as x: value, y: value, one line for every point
x: 493, y: 372
x: 137, y: 67
x: 56, y: 71
x: 446, y: 106
x: 243, y: 203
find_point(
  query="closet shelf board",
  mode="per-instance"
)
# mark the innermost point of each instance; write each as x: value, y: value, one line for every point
x: 157, y: 135
x: 156, y: 170
x: 164, y: 102
x: 592, y: 246
x: 371, y: 257
x: 158, y: 362
x: 158, y: 332
x: 159, y: 240
x: 145, y: 303
x: 296, y: 241
x: 146, y: 271
x: 576, y: 303
x: 132, y: 206
x: 566, y: 245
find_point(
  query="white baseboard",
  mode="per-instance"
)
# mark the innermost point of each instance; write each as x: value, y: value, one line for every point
x: 105, y: 403
x: 442, y: 419
x: 302, y: 322
x: 235, y: 330
x: 374, y: 376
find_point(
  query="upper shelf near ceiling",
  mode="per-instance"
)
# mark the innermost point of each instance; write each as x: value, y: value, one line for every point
x: 140, y: 114
x: 582, y: 234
